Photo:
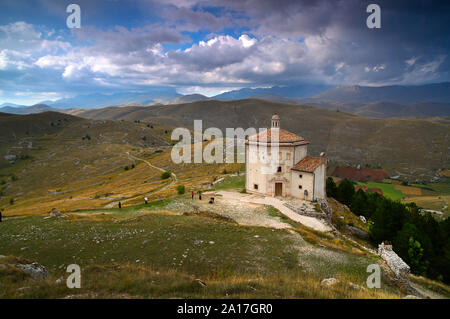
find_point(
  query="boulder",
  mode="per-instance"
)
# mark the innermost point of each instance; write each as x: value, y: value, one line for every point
x: 328, y: 282
x: 35, y: 270
x: 358, y: 232
x: 363, y: 219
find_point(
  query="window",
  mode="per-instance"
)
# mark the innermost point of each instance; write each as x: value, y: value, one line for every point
x: 255, y: 186
x: 300, y: 186
x: 300, y: 175
x: 288, y: 156
x: 279, y: 169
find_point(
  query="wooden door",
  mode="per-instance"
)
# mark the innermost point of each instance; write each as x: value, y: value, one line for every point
x: 278, y: 189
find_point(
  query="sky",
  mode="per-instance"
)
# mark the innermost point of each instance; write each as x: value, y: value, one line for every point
x: 211, y: 46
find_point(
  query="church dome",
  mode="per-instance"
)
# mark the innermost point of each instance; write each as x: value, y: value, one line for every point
x: 275, y: 117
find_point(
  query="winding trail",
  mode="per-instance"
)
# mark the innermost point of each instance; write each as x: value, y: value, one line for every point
x: 173, y: 176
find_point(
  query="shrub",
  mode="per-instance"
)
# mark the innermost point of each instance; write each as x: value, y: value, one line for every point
x: 166, y: 175
x: 181, y: 189
x: 14, y: 177
x: 127, y: 168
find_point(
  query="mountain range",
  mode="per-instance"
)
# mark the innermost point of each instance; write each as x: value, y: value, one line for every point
x: 426, y: 100
x: 392, y: 143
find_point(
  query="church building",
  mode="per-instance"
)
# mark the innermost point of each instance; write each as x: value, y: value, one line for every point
x: 293, y: 174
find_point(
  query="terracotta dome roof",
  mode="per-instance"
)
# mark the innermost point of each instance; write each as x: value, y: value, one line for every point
x: 283, y: 137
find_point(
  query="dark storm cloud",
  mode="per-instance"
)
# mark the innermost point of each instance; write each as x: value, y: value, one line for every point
x: 226, y: 43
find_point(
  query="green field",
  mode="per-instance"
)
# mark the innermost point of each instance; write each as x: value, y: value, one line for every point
x: 388, y: 189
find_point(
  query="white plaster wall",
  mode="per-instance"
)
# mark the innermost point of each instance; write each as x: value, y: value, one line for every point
x: 300, y: 152
x: 319, y: 182
x: 307, y: 182
x: 266, y: 182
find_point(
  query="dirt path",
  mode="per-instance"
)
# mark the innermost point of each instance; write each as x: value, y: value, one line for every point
x: 173, y: 175
x: 311, y: 222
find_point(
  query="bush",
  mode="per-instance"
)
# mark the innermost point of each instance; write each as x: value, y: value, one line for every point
x: 181, y: 189
x: 14, y: 177
x: 166, y: 175
x: 127, y: 168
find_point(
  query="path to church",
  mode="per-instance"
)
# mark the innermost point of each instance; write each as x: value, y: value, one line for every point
x: 311, y: 222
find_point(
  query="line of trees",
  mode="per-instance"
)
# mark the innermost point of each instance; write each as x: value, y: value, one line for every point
x: 417, y: 237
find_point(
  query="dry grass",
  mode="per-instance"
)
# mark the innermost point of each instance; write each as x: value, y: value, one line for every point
x: 409, y: 190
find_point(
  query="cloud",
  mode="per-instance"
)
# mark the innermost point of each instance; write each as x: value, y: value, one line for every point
x: 216, y: 44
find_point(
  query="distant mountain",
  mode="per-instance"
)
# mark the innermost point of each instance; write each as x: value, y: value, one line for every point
x: 297, y: 91
x: 12, y: 104
x: 389, y: 109
x: 346, y: 138
x: 97, y: 100
x: 436, y: 92
x: 37, y: 108
x: 189, y: 98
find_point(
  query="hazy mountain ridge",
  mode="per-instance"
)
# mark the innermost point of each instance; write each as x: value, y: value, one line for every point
x: 393, y: 143
x: 436, y: 92
x: 379, y: 102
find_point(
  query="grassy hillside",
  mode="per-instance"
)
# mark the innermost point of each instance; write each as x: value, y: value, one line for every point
x: 413, y: 148
x: 153, y: 252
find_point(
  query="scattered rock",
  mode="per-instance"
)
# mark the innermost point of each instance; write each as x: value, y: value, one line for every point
x: 60, y: 280
x: 55, y: 212
x: 356, y: 286
x: 395, y: 263
x: 411, y: 297
x: 328, y: 282
x: 363, y: 219
x: 201, y: 282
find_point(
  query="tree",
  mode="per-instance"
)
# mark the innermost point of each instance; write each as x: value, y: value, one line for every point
x: 165, y: 175
x: 416, y: 258
x: 345, y: 192
x: 359, y: 204
x: 331, y: 187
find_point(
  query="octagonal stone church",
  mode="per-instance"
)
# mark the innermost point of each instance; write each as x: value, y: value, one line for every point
x: 295, y: 174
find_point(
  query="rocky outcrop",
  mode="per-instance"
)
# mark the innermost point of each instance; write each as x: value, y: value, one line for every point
x: 357, y: 232
x: 36, y: 271
x: 396, y: 264
x: 306, y: 210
